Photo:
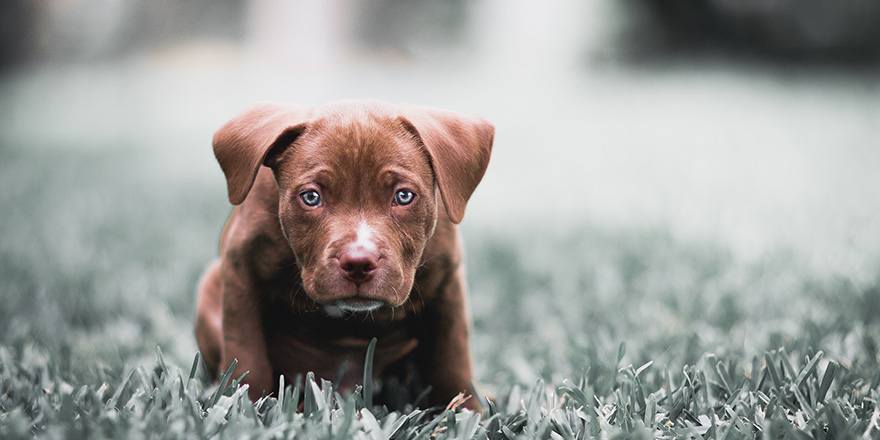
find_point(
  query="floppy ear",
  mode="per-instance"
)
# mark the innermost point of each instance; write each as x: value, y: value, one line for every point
x: 459, y: 146
x: 253, y: 138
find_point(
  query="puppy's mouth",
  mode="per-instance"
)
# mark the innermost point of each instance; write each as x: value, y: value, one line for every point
x: 353, y: 305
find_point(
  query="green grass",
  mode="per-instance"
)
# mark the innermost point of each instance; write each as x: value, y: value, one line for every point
x: 579, y: 332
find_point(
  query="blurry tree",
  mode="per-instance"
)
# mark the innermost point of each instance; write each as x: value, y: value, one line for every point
x: 89, y: 30
x: 16, y: 30
x: 842, y: 29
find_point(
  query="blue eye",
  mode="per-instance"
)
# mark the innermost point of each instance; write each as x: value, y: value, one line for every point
x: 404, y: 197
x: 310, y: 198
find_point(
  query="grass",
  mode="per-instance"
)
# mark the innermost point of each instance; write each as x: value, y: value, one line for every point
x: 579, y: 332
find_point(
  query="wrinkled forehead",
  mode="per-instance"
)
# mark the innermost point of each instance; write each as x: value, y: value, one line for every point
x: 358, y: 143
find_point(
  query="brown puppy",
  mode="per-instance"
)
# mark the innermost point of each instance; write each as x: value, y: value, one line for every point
x: 337, y: 239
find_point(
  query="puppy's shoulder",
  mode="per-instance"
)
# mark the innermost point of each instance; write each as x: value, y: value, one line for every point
x: 252, y: 237
x: 444, y: 250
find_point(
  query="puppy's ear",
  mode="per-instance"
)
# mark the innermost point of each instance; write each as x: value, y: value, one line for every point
x: 256, y: 137
x: 459, y: 146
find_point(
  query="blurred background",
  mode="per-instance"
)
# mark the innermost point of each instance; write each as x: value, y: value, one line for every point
x: 716, y: 152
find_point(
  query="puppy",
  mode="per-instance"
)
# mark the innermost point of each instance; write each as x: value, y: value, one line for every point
x: 344, y: 229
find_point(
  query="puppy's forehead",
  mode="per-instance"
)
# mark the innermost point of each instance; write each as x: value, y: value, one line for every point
x: 356, y: 109
x: 360, y: 136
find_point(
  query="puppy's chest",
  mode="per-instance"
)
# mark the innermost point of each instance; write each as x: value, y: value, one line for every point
x: 299, y: 344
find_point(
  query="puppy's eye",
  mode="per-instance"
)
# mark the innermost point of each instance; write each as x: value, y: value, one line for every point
x: 404, y: 197
x: 311, y: 198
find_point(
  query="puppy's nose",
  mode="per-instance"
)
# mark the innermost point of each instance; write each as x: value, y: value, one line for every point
x: 358, y: 263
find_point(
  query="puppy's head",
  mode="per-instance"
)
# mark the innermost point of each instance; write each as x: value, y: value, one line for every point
x: 357, y: 184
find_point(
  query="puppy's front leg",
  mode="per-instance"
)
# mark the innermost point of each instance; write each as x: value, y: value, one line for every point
x: 446, y: 360
x: 243, y: 337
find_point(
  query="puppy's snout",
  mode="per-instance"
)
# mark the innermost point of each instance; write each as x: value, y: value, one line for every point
x: 358, y: 262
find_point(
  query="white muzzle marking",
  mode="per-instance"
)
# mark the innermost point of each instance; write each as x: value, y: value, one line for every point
x: 364, y: 237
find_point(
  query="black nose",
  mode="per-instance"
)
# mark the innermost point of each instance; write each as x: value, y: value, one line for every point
x: 358, y: 263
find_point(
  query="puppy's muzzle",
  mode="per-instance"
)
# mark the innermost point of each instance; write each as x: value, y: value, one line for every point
x: 358, y: 264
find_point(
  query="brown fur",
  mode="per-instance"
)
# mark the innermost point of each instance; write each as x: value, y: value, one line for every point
x: 272, y: 301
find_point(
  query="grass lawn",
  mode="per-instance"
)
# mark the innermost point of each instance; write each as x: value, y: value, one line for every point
x: 579, y: 332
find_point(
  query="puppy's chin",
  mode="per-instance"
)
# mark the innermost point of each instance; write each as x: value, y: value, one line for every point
x: 346, y: 307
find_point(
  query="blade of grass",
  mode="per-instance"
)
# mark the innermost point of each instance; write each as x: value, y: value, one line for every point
x: 786, y: 367
x: 221, y: 384
x: 368, y: 374
x: 195, y: 367
x: 771, y: 369
x: 114, y: 400
x: 423, y: 396
x: 311, y: 395
x: 576, y: 393
x: 349, y: 411
x: 160, y: 362
x: 808, y: 369
x: 340, y: 374
x: 477, y: 395
x: 830, y: 372
x: 281, y: 394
